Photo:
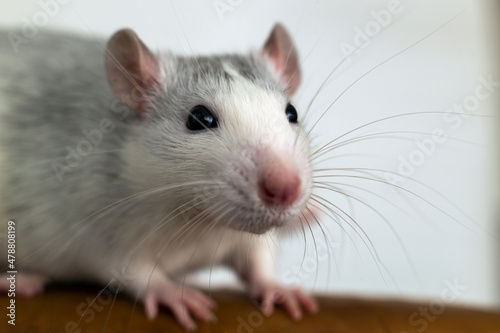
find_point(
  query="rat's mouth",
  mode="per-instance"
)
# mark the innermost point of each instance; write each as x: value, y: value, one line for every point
x: 262, y: 223
x: 256, y: 229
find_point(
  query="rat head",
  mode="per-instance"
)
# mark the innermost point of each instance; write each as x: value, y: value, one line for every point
x: 218, y: 133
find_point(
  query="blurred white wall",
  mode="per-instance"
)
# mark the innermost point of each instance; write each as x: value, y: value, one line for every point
x: 491, y: 10
x: 411, y: 245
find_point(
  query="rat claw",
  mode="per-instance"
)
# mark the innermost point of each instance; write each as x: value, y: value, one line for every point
x: 267, y: 307
x: 181, y: 313
x: 292, y: 306
x: 151, y: 307
x: 293, y: 300
x: 307, y: 302
x: 182, y: 301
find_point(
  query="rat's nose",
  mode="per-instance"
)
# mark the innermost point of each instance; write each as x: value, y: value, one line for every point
x: 279, y: 184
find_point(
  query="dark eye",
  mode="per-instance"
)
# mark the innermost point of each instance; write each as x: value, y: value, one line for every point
x: 291, y: 113
x: 201, y: 119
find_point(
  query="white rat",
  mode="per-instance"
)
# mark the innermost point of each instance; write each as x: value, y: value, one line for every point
x: 123, y: 166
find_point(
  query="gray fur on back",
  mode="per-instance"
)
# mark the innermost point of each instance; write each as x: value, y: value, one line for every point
x: 55, y: 88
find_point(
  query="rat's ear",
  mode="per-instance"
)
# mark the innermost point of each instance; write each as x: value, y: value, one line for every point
x: 280, y: 50
x: 133, y: 71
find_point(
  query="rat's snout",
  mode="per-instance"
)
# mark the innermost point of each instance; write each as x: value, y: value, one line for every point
x: 279, y: 183
x: 269, y: 186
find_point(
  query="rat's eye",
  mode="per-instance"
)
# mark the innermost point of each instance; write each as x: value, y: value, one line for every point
x: 200, y: 119
x: 291, y: 113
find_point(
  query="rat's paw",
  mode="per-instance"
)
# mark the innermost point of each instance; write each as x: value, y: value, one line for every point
x: 182, y: 301
x: 27, y: 285
x: 294, y: 300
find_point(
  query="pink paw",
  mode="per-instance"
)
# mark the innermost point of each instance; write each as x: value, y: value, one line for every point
x: 27, y: 285
x: 182, y: 301
x: 294, y: 300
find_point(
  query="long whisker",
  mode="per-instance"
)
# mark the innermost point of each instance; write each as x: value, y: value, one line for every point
x: 326, y: 244
x: 331, y: 187
x: 185, y: 37
x: 208, y: 228
x: 411, y: 179
x: 120, y: 67
x: 321, y: 206
x: 380, y: 135
x: 305, y: 246
x: 405, y: 190
x: 388, y: 118
x: 383, y: 62
x: 105, y: 326
x: 193, y: 222
x: 215, y: 253
x: 92, y: 302
x: 370, y: 192
x: 365, y: 239
x: 325, y: 81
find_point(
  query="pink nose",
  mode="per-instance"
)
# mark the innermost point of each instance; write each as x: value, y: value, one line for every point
x: 279, y: 185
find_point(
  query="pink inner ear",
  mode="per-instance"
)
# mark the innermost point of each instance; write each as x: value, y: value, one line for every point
x: 273, y: 53
x: 132, y: 70
x: 149, y: 66
x: 280, y: 50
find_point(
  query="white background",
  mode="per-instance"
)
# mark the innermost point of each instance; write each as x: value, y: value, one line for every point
x: 421, y: 245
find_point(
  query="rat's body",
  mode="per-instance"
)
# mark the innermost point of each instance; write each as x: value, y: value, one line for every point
x: 127, y: 194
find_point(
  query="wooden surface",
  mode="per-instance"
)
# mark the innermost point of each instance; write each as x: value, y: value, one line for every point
x: 57, y: 310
